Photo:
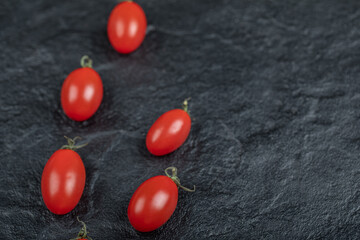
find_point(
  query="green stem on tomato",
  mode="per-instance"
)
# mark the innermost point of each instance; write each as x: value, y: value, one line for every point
x: 185, y: 105
x: 71, y: 144
x: 83, y: 233
x: 86, y: 61
x: 175, y: 178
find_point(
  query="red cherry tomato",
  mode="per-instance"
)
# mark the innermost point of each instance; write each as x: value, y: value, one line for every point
x: 126, y: 27
x: 168, y: 132
x: 81, y: 93
x: 63, y: 181
x: 154, y: 201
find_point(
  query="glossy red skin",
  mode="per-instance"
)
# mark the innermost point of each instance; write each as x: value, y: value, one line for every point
x: 63, y: 181
x: 126, y: 27
x: 168, y: 132
x: 153, y: 203
x: 81, y: 93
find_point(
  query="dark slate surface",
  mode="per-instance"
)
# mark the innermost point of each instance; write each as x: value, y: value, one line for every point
x: 274, y: 146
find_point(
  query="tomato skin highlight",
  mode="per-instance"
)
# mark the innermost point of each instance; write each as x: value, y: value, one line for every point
x: 81, y: 93
x: 126, y: 27
x: 63, y: 181
x: 168, y: 132
x: 153, y: 203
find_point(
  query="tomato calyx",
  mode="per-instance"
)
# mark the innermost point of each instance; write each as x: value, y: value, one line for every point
x: 83, y: 233
x: 175, y: 178
x: 86, y: 61
x: 185, y: 105
x: 71, y: 144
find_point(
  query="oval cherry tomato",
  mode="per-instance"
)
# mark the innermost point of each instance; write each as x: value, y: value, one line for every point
x: 126, y: 27
x: 154, y: 201
x: 168, y: 132
x: 63, y: 181
x: 81, y: 93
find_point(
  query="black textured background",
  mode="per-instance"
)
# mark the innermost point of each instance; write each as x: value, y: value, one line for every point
x: 274, y: 145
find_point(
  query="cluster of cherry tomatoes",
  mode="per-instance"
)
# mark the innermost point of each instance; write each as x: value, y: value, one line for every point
x: 63, y: 177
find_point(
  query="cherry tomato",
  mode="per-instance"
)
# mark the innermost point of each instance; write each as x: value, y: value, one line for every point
x: 82, y: 92
x: 168, y: 132
x: 154, y: 201
x: 63, y: 181
x: 126, y: 27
